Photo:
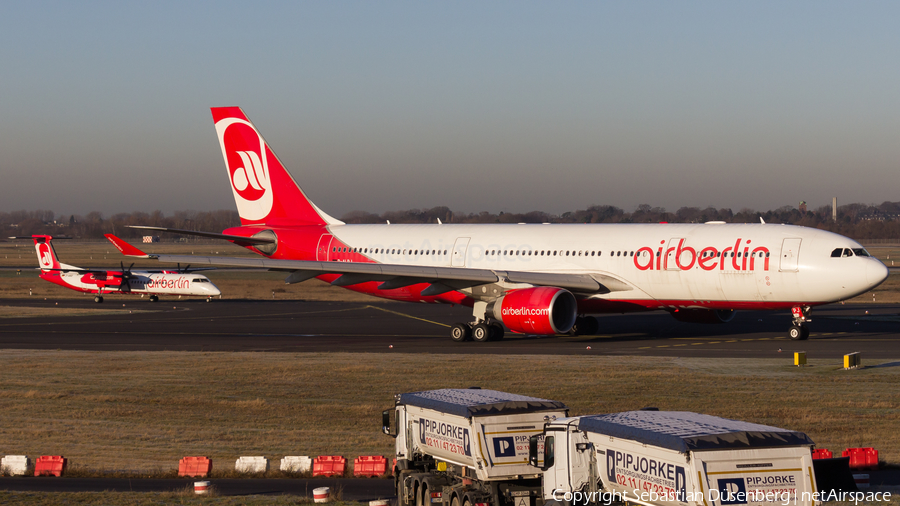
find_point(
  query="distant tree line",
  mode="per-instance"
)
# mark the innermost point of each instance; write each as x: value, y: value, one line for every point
x: 858, y: 221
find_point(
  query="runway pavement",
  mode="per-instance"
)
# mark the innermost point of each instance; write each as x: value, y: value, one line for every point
x: 384, y: 327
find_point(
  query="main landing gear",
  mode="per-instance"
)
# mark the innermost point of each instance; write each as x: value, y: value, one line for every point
x: 799, y: 331
x: 98, y: 299
x: 154, y: 298
x: 479, y: 332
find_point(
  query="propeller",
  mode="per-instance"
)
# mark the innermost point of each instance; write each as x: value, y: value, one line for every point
x: 126, y: 274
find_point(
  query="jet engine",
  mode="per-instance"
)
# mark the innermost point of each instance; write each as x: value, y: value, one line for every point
x: 543, y: 310
x: 703, y: 315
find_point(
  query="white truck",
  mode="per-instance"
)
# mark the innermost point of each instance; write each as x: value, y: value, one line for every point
x: 672, y: 458
x: 467, y: 447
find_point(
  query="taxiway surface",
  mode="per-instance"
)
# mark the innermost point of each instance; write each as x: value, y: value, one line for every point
x: 382, y: 327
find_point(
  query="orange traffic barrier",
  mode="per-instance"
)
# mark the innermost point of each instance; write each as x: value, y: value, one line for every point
x: 822, y: 454
x: 50, y: 465
x: 369, y: 465
x: 195, y: 466
x: 862, y: 458
x: 329, y: 465
x: 871, y: 458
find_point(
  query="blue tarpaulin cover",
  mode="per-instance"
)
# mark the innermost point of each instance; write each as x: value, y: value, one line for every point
x: 684, y: 431
x: 469, y: 402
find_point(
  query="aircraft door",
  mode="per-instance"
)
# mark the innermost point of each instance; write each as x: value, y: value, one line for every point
x: 323, y: 251
x: 458, y: 259
x: 790, y: 255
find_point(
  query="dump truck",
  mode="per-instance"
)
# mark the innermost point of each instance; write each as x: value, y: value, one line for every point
x: 467, y: 447
x: 672, y: 458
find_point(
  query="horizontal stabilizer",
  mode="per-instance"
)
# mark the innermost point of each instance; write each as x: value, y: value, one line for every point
x: 213, y: 235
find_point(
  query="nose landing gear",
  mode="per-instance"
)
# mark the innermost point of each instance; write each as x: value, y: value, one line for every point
x: 799, y: 331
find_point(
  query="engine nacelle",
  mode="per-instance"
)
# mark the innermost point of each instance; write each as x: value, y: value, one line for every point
x: 703, y: 315
x: 543, y: 310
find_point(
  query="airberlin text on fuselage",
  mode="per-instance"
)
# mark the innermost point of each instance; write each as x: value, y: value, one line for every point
x: 740, y: 257
x: 172, y: 283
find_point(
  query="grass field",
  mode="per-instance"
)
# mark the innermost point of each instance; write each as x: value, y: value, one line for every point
x: 140, y: 412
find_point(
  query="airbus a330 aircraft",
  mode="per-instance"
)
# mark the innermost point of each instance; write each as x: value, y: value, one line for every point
x: 537, y: 278
x: 154, y: 283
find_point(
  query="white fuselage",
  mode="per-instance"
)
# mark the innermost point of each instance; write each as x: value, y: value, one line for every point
x: 152, y: 283
x: 668, y: 265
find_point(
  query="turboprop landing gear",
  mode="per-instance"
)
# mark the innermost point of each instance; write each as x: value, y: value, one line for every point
x: 154, y: 298
x: 799, y: 331
x: 98, y: 299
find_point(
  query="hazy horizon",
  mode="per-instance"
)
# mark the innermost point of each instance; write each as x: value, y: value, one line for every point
x: 505, y: 106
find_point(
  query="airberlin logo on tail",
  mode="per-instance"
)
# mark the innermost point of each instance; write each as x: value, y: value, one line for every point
x: 244, y: 151
x: 44, y: 255
x: 740, y: 257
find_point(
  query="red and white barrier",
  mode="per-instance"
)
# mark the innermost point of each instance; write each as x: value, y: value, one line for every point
x: 322, y: 494
x: 201, y: 487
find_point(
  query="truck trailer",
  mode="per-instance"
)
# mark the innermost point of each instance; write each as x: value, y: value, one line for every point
x: 672, y: 458
x: 467, y: 447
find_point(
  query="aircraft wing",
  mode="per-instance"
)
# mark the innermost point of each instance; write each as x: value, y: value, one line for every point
x: 441, y: 279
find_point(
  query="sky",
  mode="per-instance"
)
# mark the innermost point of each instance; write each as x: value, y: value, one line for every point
x: 478, y: 106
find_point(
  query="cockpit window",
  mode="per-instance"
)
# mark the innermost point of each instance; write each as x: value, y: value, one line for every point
x: 836, y: 253
x: 860, y: 252
x: 847, y: 252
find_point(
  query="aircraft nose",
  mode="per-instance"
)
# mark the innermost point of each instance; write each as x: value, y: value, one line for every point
x: 876, y: 273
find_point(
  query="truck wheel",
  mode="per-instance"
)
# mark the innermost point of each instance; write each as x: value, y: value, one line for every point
x: 455, y: 501
x: 423, y: 498
x: 401, y: 494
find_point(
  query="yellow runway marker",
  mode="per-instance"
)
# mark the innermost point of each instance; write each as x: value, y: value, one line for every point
x: 695, y: 344
x: 678, y: 345
x: 645, y: 347
x: 408, y: 316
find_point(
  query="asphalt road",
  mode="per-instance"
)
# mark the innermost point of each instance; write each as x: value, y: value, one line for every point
x: 351, y: 489
x: 298, y: 326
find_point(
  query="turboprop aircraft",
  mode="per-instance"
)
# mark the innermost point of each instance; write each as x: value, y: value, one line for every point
x: 536, y: 278
x: 124, y: 281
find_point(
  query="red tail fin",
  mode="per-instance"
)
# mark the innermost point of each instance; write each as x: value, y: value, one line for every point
x: 125, y: 248
x: 264, y: 191
x: 45, y: 252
